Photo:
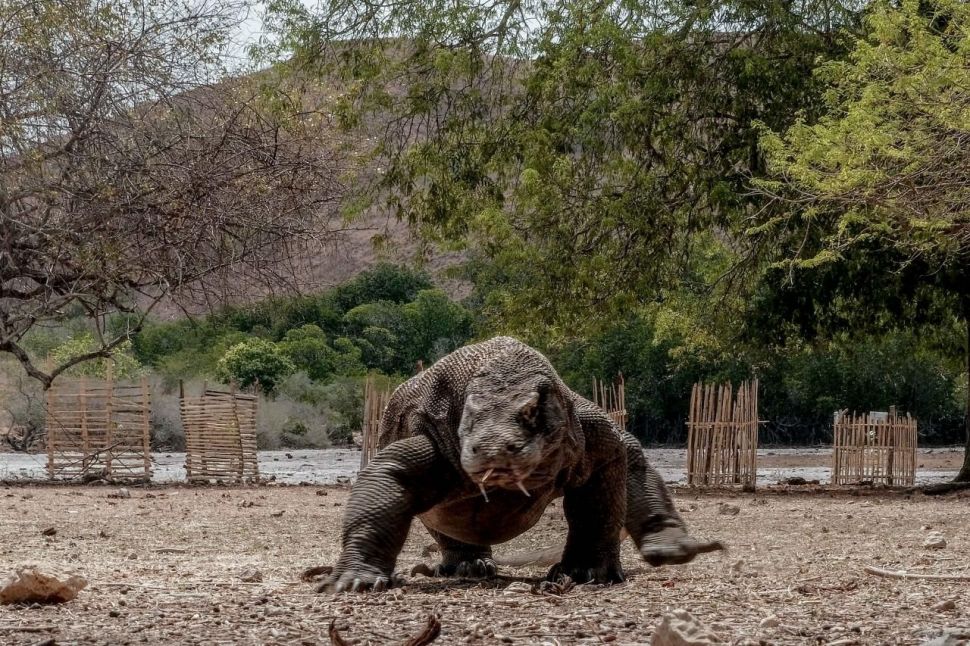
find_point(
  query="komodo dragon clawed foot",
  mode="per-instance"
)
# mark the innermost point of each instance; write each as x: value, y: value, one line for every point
x: 674, y: 546
x: 359, y: 579
x: 479, y: 568
x: 606, y: 574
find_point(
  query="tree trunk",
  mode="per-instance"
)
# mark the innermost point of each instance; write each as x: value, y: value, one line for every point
x: 964, y: 475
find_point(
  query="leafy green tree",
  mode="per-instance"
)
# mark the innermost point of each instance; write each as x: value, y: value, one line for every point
x: 383, y: 282
x: 888, y: 166
x: 123, y: 363
x: 309, y: 351
x: 255, y: 362
x: 349, y: 360
x: 579, y: 146
x: 438, y: 325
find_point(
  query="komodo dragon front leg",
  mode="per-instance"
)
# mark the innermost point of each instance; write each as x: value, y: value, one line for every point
x: 651, y: 519
x: 405, y: 478
x: 595, y: 512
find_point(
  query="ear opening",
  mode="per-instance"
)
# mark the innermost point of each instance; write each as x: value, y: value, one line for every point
x: 529, y: 410
x: 554, y: 415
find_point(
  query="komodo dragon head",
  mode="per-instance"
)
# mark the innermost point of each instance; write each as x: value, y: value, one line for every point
x: 513, y: 421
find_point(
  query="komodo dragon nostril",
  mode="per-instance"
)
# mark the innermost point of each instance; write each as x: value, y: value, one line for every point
x: 514, y: 447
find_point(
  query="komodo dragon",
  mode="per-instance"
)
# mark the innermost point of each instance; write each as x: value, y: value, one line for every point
x: 476, y: 447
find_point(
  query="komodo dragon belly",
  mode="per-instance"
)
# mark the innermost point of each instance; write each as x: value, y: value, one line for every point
x: 506, y: 515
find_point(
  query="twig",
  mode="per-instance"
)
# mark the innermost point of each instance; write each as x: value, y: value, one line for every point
x: 335, y: 638
x: 428, y: 635
x: 903, y: 574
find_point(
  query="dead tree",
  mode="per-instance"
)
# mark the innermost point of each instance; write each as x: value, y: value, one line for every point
x: 132, y: 168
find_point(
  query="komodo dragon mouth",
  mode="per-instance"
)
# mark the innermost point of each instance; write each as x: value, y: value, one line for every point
x: 502, y: 477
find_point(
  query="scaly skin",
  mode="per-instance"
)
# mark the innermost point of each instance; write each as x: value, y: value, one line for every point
x: 495, y: 415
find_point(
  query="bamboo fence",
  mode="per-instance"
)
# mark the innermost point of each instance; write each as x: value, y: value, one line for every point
x: 98, y: 429
x: 220, y: 436
x: 722, y: 435
x: 877, y: 449
x: 375, y: 401
x: 612, y: 399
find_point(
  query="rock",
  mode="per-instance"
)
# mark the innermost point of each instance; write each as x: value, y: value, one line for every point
x: 795, y: 480
x: 950, y: 637
x: 29, y: 584
x: 942, y: 606
x: 50, y: 531
x: 680, y: 628
x: 251, y: 576
x: 770, y: 621
x: 934, y: 541
x: 728, y: 510
x: 121, y: 493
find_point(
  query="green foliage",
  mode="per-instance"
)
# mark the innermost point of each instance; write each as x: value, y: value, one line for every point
x: 659, y: 362
x: 385, y: 282
x: 124, y: 365
x: 437, y: 325
x: 308, y: 350
x: 577, y: 147
x: 887, y: 163
x: 254, y: 362
x: 883, y: 173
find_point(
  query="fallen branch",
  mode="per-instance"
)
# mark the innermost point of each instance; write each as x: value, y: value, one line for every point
x: 428, y: 635
x: 335, y: 638
x: 903, y: 574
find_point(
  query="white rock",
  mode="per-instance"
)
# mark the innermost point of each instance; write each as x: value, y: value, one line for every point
x: 728, y: 510
x: 29, y: 584
x: 251, y: 576
x: 680, y: 628
x: 935, y: 541
x: 770, y: 621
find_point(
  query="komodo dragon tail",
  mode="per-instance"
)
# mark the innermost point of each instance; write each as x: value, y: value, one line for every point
x: 541, y: 558
x: 552, y: 555
x: 546, y: 557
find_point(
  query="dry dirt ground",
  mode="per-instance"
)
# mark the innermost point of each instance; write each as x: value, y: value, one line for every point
x: 165, y: 565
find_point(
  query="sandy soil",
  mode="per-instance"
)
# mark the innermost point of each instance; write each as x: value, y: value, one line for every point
x: 165, y: 565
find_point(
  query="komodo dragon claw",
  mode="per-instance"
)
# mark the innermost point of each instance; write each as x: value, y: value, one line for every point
x: 673, y: 546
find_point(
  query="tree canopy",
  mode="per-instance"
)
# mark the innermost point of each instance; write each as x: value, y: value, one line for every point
x: 884, y: 174
x: 591, y: 152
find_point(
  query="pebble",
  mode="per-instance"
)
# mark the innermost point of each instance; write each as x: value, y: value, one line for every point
x: 251, y: 576
x: 935, y: 541
x: 680, y: 628
x: 728, y: 510
x: 942, y: 606
x: 770, y: 621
